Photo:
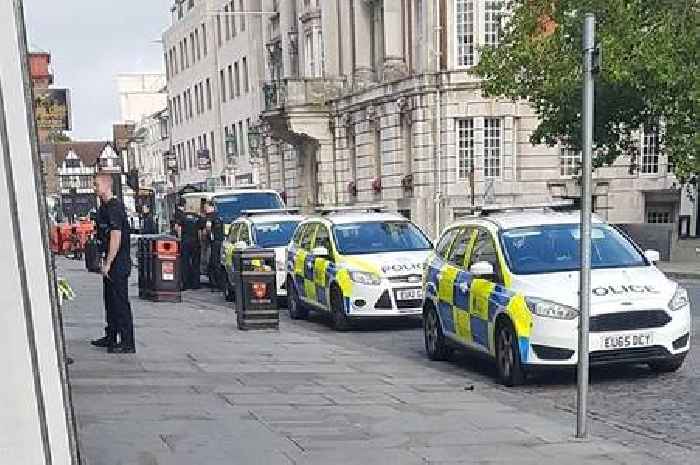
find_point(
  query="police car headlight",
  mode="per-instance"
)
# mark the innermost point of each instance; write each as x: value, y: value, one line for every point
x: 548, y: 309
x: 363, y: 277
x: 679, y: 300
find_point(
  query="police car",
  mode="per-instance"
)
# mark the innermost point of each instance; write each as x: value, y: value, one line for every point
x: 356, y: 262
x: 506, y: 283
x: 262, y: 229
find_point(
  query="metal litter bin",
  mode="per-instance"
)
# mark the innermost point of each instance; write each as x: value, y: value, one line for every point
x: 159, y: 268
x: 255, y: 282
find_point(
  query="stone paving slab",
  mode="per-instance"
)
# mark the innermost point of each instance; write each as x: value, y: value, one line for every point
x: 200, y: 392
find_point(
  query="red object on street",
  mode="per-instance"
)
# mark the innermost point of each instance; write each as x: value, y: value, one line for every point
x: 259, y: 290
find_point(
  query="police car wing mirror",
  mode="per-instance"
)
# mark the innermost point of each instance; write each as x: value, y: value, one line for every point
x: 481, y: 269
x: 240, y: 245
x: 652, y: 255
x: 320, y: 252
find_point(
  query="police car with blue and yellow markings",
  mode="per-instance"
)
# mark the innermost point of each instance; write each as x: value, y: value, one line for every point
x: 505, y: 283
x: 356, y: 262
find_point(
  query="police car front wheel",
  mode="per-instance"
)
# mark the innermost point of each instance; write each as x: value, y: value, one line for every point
x: 667, y: 366
x: 510, y: 370
x: 435, y: 345
x: 297, y: 311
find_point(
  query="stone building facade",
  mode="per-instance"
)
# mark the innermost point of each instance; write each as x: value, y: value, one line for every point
x: 374, y: 101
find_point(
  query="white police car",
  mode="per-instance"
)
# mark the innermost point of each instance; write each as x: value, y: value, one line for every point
x: 506, y: 284
x: 356, y: 262
x: 265, y: 229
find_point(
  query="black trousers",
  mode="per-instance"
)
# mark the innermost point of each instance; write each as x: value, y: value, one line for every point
x: 215, y: 264
x: 120, y: 321
x: 191, y: 258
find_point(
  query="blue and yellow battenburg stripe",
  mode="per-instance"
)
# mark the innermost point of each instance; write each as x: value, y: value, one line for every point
x: 469, y: 306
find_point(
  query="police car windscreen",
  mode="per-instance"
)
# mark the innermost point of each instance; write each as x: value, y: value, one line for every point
x: 365, y: 238
x: 229, y: 208
x: 277, y: 234
x: 553, y: 248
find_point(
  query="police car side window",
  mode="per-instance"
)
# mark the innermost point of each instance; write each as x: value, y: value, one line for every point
x: 323, y: 239
x: 308, y: 236
x: 233, y: 233
x: 485, y: 251
x: 445, y: 242
x: 458, y: 251
x: 244, y: 235
x: 298, y: 235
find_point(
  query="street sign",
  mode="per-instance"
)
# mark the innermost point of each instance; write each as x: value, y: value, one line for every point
x: 52, y: 109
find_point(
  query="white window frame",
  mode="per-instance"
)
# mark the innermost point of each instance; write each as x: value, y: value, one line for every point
x: 309, y: 53
x: 496, y: 22
x: 466, y: 152
x: 568, y: 160
x: 647, y: 168
x: 457, y: 44
x: 489, y: 151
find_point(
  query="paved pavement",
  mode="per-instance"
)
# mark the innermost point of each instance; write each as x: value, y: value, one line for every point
x: 201, y: 392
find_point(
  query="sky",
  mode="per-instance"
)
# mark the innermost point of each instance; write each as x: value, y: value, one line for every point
x: 91, y: 41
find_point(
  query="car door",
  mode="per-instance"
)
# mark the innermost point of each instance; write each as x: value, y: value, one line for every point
x: 323, y: 266
x: 244, y: 235
x: 488, y: 294
x: 228, y: 248
x: 304, y: 265
x: 453, y: 287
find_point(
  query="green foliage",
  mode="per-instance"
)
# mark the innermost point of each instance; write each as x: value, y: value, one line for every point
x: 650, y: 69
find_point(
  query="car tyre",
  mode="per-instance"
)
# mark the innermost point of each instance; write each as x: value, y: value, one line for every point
x: 510, y: 369
x: 341, y: 322
x: 667, y: 366
x: 297, y: 310
x: 435, y: 345
x: 228, y: 290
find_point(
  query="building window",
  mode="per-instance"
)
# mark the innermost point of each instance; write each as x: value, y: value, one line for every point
x: 228, y: 24
x: 650, y: 150
x: 569, y: 161
x: 659, y: 216
x: 465, y: 149
x: 319, y: 53
x: 234, y: 138
x: 242, y: 136
x: 231, y: 90
x: 192, y: 44
x: 464, y: 30
x: 242, y: 9
x: 72, y: 163
x: 218, y: 29
x: 492, y: 22
x: 238, y: 79
x: 212, y: 150
x: 492, y: 147
x: 187, y: 53
x: 189, y: 95
x: 309, y: 53
x: 205, y: 46
x: 222, y: 80
x: 232, y: 18
x: 199, y: 50
x: 244, y: 65
x: 208, y: 94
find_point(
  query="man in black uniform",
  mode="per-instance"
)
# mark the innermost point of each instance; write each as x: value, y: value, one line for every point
x: 148, y: 224
x: 116, y: 269
x: 189, y: 228
x: 215, y: 234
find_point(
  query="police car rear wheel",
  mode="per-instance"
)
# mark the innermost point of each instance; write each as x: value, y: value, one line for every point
x: 296, y: 309
x: 228, y: 291
x: 510, y: 370
x: 435, y: 345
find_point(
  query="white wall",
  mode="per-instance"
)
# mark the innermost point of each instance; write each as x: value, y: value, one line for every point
x: 33, y: 421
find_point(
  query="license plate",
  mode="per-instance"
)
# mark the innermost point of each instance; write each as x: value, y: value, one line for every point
x: 167, y: 271
x: 409, y: 294
x: 625, y: 341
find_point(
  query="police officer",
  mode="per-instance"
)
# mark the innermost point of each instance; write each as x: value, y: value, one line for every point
x: 189, y: 227
x: 215, y: 235
x: 116, y: 269
x: 148, y: 224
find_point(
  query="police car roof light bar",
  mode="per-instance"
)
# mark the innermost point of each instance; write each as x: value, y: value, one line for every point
x: 563, y: 205
x: 351, y: 208
x: 270, y: 211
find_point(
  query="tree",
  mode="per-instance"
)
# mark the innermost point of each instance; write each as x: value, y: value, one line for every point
x: 650, y: 72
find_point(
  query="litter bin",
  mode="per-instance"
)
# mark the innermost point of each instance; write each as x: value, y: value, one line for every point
x: 159, y: 270
x: 92, y: 255
x: 255, y: 281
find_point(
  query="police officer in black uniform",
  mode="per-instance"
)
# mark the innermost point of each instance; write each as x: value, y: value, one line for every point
x: 116, y: 269
x: 215, y: 233
x: 189, y: 226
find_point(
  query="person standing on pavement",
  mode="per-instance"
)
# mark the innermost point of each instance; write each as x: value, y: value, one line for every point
x: 189, y: 228
x: 215, y: 234
x: 116, y: 269
x: 148, y: 225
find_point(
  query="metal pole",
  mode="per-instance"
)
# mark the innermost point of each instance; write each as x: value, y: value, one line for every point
x: 438, y: 122
x: 586, y: 206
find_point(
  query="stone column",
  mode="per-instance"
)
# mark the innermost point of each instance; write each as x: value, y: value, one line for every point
x: 394, y: 66
x: 362, y: 70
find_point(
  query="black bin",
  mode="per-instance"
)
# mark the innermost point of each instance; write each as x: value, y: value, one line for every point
x: 255, y: 281
x: 159, y: 268
x: 92, y: 255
